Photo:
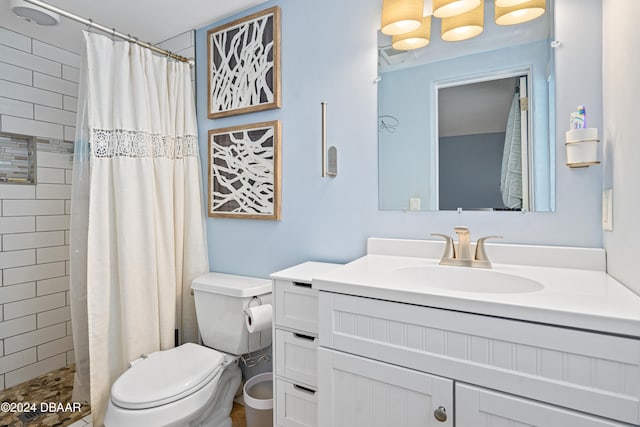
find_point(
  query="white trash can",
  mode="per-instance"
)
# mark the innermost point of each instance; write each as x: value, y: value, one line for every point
x: 258, y: 400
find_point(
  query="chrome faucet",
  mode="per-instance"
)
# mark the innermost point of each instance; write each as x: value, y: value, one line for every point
x: 462, y: 256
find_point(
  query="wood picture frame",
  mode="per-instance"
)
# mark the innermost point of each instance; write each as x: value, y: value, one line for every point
x: 245, y: 171
x: 243, y: 65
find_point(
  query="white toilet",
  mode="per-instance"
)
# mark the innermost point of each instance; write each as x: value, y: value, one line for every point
x: 192, y: 385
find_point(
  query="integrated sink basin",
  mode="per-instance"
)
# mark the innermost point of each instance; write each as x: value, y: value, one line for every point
x: 562, y: 286
x: 465, y: 279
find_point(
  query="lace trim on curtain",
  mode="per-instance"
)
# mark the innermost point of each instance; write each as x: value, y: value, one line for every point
x: 123, y: 143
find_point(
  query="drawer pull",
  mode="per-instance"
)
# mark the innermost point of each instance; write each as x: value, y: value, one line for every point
x: 304, y: 337
x: 302, y: 285
x: 304, y: 389
x: 440, y: 414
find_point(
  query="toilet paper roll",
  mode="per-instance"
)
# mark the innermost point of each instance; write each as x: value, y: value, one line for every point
x: 258, y: 318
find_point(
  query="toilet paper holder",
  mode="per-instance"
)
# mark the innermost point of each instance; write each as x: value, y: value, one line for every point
x: 251, y: 359
x: 255, y: 299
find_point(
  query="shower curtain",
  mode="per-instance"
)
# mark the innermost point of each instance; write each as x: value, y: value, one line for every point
x: 138, y: 234
x: 511, y: 174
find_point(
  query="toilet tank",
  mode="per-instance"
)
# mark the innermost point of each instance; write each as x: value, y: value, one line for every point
x: 220, y: 301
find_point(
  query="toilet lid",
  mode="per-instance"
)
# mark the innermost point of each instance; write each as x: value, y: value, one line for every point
x: 166, y: 376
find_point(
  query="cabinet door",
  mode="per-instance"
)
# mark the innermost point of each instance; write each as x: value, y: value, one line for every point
x: 478, y: 407
x: 358, y: 392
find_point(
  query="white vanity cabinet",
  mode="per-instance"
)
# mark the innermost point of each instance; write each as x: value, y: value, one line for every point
x: 402, y: 360
x: 295, y: 334
x: 478, y: 407
x: 359, y: 392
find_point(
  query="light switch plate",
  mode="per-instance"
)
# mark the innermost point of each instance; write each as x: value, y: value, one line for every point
x: 414, y: 204
x: 607, y: 210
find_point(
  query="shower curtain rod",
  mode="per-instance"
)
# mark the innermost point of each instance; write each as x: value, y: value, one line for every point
x: 112, y: 31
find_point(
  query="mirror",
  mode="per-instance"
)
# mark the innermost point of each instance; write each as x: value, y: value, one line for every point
x: 449, y: 115
x: 482, y: 159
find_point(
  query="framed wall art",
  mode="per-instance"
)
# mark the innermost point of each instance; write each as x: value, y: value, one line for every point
x: 243, y: 65
x: 244, y: 171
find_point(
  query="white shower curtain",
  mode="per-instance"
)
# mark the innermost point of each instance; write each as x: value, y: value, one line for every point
x: 145, y: 235
x: 511, y: 174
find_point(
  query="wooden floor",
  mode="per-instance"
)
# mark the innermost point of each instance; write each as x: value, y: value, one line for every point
x: 237, y: 416
x: 54, y: 387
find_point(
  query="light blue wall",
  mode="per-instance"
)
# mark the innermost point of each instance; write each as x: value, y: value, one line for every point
x: 329, y: 54
x: 409, y: 96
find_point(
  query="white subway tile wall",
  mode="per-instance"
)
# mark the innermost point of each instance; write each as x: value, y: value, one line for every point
x: 38, y: 96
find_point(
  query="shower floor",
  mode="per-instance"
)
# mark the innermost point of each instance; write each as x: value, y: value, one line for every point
x: 56, y: 387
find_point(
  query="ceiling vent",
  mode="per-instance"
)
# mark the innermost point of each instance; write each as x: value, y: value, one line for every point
x: 33, y: 13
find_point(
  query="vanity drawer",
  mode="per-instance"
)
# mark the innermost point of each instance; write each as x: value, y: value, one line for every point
x: 296, y: 406
x: 296, y: 306
x: 479, y: 407
x: 297, y: 357
x: 586, y: 371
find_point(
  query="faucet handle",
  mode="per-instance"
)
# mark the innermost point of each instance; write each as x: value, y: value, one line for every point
x: 449, y: 248
x: 481, y: 254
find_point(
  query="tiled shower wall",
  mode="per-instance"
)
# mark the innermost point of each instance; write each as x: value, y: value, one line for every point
x: 38, y: 89
x: 16, y: 159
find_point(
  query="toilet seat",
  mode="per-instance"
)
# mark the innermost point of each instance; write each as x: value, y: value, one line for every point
x: 166, y: 376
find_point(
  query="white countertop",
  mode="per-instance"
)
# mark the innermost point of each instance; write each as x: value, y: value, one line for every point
x: 571, y: 297
x: 305, y: 272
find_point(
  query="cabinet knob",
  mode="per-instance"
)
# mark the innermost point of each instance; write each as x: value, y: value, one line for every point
x: 440, y: 414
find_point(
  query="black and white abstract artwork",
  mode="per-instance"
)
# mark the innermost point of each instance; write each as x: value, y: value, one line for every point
x: 244, y: 171
x: 244, y: 65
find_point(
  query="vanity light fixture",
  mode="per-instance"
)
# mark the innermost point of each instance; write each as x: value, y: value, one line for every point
x: 464, y: 26
x: 519, y: 13
x: 401, y: 16
x: 449, y: 8
x: 415, y: 39
x: 508, y: 3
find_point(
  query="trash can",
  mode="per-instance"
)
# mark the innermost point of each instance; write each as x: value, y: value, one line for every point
x: 258, y: 400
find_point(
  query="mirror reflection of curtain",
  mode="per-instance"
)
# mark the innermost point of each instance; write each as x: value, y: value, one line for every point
x: 511, y: 174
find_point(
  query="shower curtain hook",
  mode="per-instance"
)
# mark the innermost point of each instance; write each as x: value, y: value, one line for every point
x: 90, y: 23
x: 113, y: 34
